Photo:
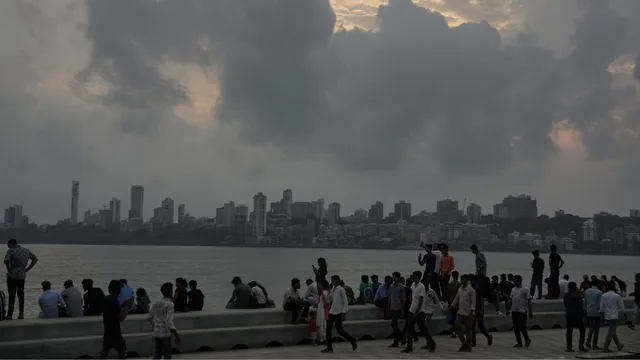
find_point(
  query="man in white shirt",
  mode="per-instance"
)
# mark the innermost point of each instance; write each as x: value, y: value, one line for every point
x: 435, y: 283
x: 465, y: 302
x: 337, y: 314
x: 520, y: 307
x: 610, y: 307
x: 564, y: 285
x: 161, y: 318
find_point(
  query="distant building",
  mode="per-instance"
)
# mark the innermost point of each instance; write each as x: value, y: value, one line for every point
x: 137, y: 202
x: 181, y: 210
x: 260, y: 214
x: 589, y: 230
x: 317, y: 209
x: 474, y: 213
x: 376, y: 212
x: 167, y: 211
x: 300, y: 210
x: 75, y: 196
x: 634, y: 213
x: 402, y: 210
x: 360, y: 215
x: 559, y: 213
x: 13, y: 216
x: 333, y: 213
x: 114, y: 210
x: 516, y: 207
x: 447, y: 211
x: 287, y: 201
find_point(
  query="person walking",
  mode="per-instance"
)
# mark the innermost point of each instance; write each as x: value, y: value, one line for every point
x: 575, y: 312
x: 418, y: 294
x: 337, y: 313
x: 610, y: 307
x: 465, y: 302
x: 114, y: 313
x: 481, y: 261
x: 592, y: 299
x: 479, y: 286
x: 397, y: 302
x: 537, y: 265
x: 17, y: 262
x: 161, y: 319
x: 520, y: 307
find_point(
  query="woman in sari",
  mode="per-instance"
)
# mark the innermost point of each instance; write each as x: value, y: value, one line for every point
x: 324, y: 305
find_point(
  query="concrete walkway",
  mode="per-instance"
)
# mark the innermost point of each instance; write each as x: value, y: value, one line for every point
x: 548, y: 344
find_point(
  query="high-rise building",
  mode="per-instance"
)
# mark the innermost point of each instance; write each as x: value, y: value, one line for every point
x: 157, y: 215
x: 589, y: 230
x: 167, y: 211
x: 333, y: 213
x: 474, y: 213
x: 376, y: 212
x: 447, y: 211
x: 516, y: 207
x: 260, y: 214
x: 402, y: 210
x: 13, y: 216
x: 300, y: 210
x: 634, y: 213
x: 181, y: 211
x: 114, y: 210
x: 75, y: 196
x: 137, y: 202
x: 317, y: 209
x: 287, y: 201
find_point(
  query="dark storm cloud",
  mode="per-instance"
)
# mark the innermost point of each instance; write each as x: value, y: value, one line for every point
x: 478, y: 103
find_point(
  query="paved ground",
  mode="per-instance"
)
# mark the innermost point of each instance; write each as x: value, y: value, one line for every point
x: 548, y: 344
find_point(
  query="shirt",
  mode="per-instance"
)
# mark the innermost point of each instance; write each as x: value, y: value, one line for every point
x: 573, y: 304
x: 431, y: 302
x: 181, y: 300
x: 418, y: 292
x: 312, y: 293
x: 339, y: 302
x: 564, y: 286
x: 161, y: 318
x: 447, y: 265
x: 592, y: 299
x: 111, y: 316
x: 397, y: 297
x: 93, y: 301
x: 554, y: 262
x: 49, y: 302
x: 520, y: 297
x: 290, y: 293
x: 610, y: 305
x: 241, y: 296
x: 481, y: 264
x: 18, y: 257
x: 258, y: 295
x: 126, y: 293
x: 381, y: 293
x: 429, y: 263
x: 196, y: 300
x: 538, y: 267
x: 73, y: 299
x: 465, y: 300
x: 438, y: 255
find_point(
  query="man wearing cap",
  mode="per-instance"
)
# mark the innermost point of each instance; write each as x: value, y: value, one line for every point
x: 241, y: 297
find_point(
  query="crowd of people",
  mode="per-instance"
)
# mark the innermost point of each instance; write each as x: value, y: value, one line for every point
x: 439, y: 288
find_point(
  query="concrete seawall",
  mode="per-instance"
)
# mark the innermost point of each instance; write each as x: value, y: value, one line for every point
x: 225, y: 330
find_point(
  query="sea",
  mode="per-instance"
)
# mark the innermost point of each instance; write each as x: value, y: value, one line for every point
x: 214, y: 267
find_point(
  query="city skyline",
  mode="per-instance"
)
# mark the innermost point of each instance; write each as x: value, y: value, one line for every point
x: 216, y: 103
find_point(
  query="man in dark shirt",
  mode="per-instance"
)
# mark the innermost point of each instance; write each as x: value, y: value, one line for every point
x: 196, y: 297
x: 555, y: 264
x: 112, y: 316
x: 429, y: 262
x: 574, y: 310
x: 93, y: 299
x: 538, y: 273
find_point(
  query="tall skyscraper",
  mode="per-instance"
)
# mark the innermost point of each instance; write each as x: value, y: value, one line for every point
x: 260, y: 214
x: 75, y: 195
x: 167, y: 211
x: 333, y: 213
x: 181, y: 211
x: 376, y: 212
x: 474, y: 213
x: 13, y: 216
x: 402, y: 210
x: 137, y: 202
x: 114, y: 210
x: 287, y: 201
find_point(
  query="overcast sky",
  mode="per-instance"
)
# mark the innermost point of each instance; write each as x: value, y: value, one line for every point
x: 354, y: 101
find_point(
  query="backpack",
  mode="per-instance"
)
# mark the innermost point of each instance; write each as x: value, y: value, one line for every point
x: 3, y: 302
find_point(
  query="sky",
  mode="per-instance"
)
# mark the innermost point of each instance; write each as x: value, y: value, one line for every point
x: 354, y: 101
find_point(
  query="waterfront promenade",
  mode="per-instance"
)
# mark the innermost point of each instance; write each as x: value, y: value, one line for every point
x: 546, y: 344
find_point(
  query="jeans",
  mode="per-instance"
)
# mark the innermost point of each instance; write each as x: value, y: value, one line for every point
x: 421, y: 319
x: 295, y: 306
x: 162, y: 348
x: 15, y: 286
x: 465, y: 332
x: 337, y: 320
x: 594, y: 330
x: 519, y: 320
x: 398, y: 335
x: 573, y: 323
x: 612, y: 333
x: 478, y: 320
x: 536, y: 282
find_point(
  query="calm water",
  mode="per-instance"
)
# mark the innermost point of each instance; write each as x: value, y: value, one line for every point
x: 213, y: 267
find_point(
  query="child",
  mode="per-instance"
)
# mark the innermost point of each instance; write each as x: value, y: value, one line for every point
x: 161, y: 319
x: 196, y: 297
x: 313, y: 329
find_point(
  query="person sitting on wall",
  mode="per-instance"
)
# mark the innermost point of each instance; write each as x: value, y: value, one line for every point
x: 241, y: 296
x: 293, y: 303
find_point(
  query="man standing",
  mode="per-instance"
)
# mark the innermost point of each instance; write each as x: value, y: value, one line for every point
x: 337, y: 314
x: 17, y: 262
x: 520, y: 306
x: 452, y: 291
x: 610, y: 307
x: 112, y: 316
x: 481, y: 261
x: 397, y: 301
x: 574, y: 310
x: 555, y: 264
x: 538, y: 273
x: 418, y: 294
x: 429, y: 261
x: 465, y: 302
x: 592, y: 299
x: 447, y: 266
